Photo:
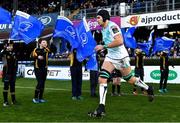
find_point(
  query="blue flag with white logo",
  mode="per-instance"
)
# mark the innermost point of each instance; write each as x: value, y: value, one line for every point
x: 92, y: 63
x: 87, y: 42
x: 5, y: 16
x: 145, y: 47
x: 26, y: 27
x: 129, y: 39
x: 65, y: 29
x: 63, y: 46
x: 150, y: 39
x: 162, y: 44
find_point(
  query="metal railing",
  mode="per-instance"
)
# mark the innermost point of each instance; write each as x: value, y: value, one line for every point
x: 124, y: 9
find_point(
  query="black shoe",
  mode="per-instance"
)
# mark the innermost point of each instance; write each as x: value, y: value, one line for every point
x: 99, y: 112
x: 14, y: 102
x: 5, y: 104
x: 94, y: 95
x: 150, y: 93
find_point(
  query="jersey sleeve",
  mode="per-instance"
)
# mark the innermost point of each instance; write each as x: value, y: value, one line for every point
x: 114, y: 30
x: 34, y: 54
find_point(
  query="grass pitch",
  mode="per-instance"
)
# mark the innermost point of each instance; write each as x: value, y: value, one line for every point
x: 60, y: 108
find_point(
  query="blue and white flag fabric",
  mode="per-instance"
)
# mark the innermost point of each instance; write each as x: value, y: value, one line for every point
x: 92, y: 63
x: 63, y: 46
x: 87, y: 42
x: 129, y: 39
x: 162, y: 44
x: 26, y: 27
x: 145, y: 47
x: 5, y: 16
x: 65, y: 29
x: 150, y: 40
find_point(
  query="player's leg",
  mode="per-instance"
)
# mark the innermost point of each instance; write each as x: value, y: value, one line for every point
x: 165, y: 80
x: 118, y: 81
x: 106, y: 70
x: 141, y: 75
x: 12, y: 88
x: 42, y: 85
x: 37, y: 90
x: 113, y: 86
x: 12, y: 91
x: 161, y: 81
x: 6, y: 80
x: 135, y: 91
x: 127, y: 75
x: 93, y: 82
x: 5, y: 93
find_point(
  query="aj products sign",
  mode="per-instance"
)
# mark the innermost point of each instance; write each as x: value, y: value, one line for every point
x: 170, y: 17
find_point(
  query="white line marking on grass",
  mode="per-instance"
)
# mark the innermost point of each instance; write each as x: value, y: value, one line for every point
x: 157, y: 95
x: 61, y: 89
x: 52, y: 89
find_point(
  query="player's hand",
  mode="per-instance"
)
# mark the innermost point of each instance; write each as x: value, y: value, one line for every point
x: 99, y: 47
x: 40, y: 57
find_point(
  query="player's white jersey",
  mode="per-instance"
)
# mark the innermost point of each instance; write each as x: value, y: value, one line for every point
x: 108, y: 33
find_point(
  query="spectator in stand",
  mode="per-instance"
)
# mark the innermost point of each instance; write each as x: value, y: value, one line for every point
x: 177, y: 48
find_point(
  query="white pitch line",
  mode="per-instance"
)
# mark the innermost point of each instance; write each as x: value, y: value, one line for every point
x: 61, y: 89
x: 52, y: 89
x: 157, y: 95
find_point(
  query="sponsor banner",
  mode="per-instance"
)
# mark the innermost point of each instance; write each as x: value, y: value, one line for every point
x: 48, y: 20
x: 20, y: 70
x: 93, y: 25
x: 169, y: 17
x: 60, y: 73
x: 152, y: 73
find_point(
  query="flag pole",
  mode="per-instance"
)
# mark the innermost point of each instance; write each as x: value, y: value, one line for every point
x: 37, y: 39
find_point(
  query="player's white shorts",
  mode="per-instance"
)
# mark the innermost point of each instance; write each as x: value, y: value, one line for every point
x: 119, y: 63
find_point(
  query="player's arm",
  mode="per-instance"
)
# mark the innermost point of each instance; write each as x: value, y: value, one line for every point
x: 34, y: 54
x: 2, y: 53
x: 48, y: 49
x: 118, y: 40
x: 117, y: 37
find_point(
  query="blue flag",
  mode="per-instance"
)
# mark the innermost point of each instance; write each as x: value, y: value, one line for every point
x: 129, y: 39
x: 150, y: 40
x: 63, y: 46
x: 26, y: 27
x: 92, y: 63
x: 5, y: 16
x: 145, y: 47
x: 65, y: 29
x: 162, y: 44
x: 87, y: 42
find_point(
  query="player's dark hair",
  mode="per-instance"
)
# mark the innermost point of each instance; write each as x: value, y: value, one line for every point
x: 104, y: 14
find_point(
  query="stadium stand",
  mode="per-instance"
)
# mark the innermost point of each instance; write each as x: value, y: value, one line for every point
x: 76, y: 9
